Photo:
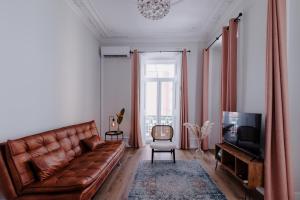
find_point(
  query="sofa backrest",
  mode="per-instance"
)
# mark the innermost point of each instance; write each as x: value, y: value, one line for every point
x: 21, y: 151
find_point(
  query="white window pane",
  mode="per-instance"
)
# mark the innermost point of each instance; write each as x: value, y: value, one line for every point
x: 166, y: 98
x: 160, y: 70
x: 151, y: 98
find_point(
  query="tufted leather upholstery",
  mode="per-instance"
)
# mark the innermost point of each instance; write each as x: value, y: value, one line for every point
x: 75, y: 176
x: 48, y: 164
x: 22, y: 150
x: 79, y: 180
x: 93, y: 142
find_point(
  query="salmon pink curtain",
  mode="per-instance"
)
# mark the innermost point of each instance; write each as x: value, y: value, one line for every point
x: 278, y: 174
x: 224, y: 77
x: 205, y: 77
x: 224, y: 69
x: 184, y: 137
x: 232, y: 67
x: 135, y: 139
x: 229, y: 69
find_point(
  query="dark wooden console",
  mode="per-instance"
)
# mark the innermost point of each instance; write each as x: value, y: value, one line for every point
x: 242, y: 166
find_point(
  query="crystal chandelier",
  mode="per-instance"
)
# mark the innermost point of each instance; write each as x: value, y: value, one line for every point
x: 153, y: 9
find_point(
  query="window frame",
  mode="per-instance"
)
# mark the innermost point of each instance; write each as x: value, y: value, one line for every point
x: 176, y: 89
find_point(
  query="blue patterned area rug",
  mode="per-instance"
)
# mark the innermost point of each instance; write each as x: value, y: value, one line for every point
x: 165, y: 180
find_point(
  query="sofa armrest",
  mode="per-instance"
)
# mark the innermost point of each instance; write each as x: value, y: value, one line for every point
x: 7, y: 189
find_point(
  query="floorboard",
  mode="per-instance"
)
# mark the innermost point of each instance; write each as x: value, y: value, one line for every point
x: 117, y: 186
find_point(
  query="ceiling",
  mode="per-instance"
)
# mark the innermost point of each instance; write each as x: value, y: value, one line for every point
x: 188, y: 20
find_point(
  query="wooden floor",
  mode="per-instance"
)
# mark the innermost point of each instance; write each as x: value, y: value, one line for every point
x: 117, y: 186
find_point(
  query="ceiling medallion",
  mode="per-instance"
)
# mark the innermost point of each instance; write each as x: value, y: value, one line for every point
x: 154, y: 9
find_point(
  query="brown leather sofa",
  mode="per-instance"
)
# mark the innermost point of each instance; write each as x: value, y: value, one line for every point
x: 80, y: 179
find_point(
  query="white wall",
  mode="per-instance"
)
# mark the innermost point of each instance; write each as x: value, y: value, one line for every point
x: 215, y: 60
x: 117, y: 81
x: 116, y: 91
x: 251, y: 58
x: 49, y: 68
x: 294, y: 82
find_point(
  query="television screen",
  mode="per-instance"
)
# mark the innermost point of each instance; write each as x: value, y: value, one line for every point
x: 243, y: 130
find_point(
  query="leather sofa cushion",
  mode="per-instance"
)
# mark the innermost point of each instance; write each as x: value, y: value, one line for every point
x: 21, y: 151
x: 93, y: 142
x: 47, y: 164
x: 81, y: 172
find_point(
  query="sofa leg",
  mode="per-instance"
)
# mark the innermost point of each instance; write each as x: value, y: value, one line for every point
x: 152, y: 155
x: 174, y: 155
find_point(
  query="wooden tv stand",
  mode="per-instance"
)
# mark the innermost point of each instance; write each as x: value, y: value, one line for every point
x: 244, y: 167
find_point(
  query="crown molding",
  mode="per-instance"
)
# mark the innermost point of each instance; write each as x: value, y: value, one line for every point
x: 216, y: 15
x: 93, y: 20
x: 83, y: 10
x: 90, y: 11
x: 233, y: 11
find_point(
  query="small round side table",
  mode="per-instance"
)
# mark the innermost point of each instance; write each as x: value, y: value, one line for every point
x: 114, y: 133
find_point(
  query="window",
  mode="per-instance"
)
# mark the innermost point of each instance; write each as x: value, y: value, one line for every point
x: 159, y: 82
x: 160, y: 71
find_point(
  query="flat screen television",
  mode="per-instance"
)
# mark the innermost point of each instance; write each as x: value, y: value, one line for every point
x: 243, y: 130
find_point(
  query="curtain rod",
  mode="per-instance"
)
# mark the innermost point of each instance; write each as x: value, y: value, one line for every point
x: 237, y: 19
x: 161, y: 51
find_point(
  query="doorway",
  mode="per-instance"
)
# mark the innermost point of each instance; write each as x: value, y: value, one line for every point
x: 159, y: 96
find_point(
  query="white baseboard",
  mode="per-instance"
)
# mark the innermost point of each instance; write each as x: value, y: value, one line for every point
x: 297, y: 195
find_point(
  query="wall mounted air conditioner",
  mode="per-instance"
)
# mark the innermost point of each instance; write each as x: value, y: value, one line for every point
x: 115, y: 51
